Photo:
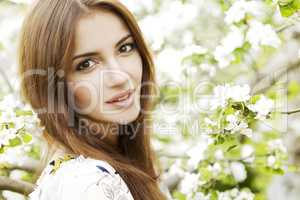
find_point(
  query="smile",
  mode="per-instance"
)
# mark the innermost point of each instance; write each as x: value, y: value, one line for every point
x: 125, y: 101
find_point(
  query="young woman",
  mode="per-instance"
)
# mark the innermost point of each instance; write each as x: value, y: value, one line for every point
x: 88, y: 73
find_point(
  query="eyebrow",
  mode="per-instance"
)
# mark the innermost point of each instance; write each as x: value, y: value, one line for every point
x: 96, y: 53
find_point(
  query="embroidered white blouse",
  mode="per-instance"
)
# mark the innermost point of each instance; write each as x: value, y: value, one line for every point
x: 80, y: 178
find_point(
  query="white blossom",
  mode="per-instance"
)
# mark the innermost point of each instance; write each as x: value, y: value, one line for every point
x: 247, y: 132
x: 5, y: 136
x: 197, y: 153
x: 221, y: 93
x: 223, y: 57
x: 236, y: 12
x: 223, y: 53
x: 233, y: 122
x: 201, y: 196
x: 194, y: 49
x: 176, y: 169
x: 209, y: 121
x: 173, y: 16
x: 189, y: 183
x: 277, y: 144
x: 262, y: 34
x: 236, y: 125
x: 243, y: 195
x: 263, y: 106
x: 219, y: 155
x: 235, y: 194
x: 215, y: 168
x: 30, y: 123
x: 169, y: 60
x: 240, y: 93
x: 234, y: 39
x: 247, y: 153
x: 271, y: 161
x: 238, y: 171
x: 9, y: 101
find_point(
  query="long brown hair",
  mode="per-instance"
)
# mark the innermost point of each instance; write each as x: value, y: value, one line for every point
x: 47, y: 42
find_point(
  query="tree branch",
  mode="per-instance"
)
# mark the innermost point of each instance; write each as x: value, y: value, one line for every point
x: 286, y: 26
x: 291, y: 112
x: 30, y: 166
x: 18, y: 186
x: 275, y: 79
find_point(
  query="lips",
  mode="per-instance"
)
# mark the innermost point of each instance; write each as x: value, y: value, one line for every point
x: 121, y: 96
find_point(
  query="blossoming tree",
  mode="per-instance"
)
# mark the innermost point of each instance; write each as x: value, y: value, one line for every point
x: 228, y: 87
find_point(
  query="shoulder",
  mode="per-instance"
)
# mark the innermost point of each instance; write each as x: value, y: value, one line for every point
x: 79, y: 177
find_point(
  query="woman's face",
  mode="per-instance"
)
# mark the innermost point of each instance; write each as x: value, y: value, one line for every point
x: 105, y: 63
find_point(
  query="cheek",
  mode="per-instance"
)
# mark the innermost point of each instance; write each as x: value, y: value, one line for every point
x: 81, y: 96
x: 135, y: 68
x: 85, y: 90
x: 140, y: 71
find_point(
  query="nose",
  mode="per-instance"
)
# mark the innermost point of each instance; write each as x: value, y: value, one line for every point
x: 114, y: 75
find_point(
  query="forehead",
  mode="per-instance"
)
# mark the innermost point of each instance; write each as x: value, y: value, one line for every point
x: 99, y: 30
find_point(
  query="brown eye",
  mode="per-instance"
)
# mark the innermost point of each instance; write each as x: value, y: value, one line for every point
x: 85, y: 64
x: 128, y: 47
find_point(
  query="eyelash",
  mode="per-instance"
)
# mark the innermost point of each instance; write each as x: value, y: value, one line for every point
x: 131, y: 44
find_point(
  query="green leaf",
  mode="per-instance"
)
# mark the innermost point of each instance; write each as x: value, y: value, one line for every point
x: 26, y: 137
x: 206, y: 175
x: 246, y: 112
x: 20, y: 112
x: 239, y: 53
x: 254, y: 99
x: 2, y: 149
x: 229, y: 110
x: 163, y: 138
x: 225, y: 5
x: 276, y: 171
x: 293, y: 89
x: 237, y: 106
x: 194, y: 58
x: 288, y: 7
x: 296, y: 4
x: 286, y: 11
x: 169, y: 94
x: 213, y: 195
x: 231, y: 147
x: 269, y: 1
x: 7, y: 125
x: 27, y: 177
x: 178, y: 195
x: 219, y: 140
x: 285, y: 2
x: 15, y: 142
x: 34, y: 152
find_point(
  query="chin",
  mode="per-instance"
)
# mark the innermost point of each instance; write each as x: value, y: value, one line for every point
x: 122, y: 117
x: 127, y: 117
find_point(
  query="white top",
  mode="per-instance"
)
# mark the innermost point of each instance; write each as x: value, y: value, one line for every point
x: 80, y: 178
